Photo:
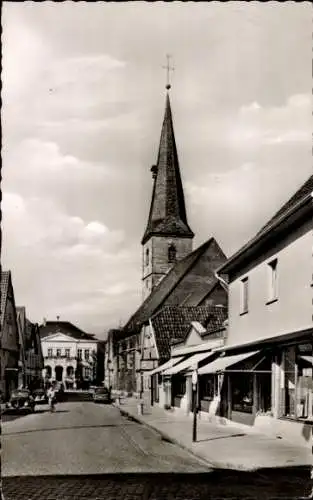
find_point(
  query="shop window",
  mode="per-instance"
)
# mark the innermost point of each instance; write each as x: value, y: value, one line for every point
x: 244, y: 299
x: 296, y: 396
x: 171, y: 254
x: 272, y: 281
x: 208, y: 387
x: 242, y: 392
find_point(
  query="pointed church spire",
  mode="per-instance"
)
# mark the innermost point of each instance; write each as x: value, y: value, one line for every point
x: 167, y: 214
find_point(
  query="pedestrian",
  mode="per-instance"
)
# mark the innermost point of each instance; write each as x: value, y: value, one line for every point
x: 52, y: 397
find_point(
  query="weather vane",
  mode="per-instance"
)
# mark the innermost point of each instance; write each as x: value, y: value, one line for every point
x: 168, y: 68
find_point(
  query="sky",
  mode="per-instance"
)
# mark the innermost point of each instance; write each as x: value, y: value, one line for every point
x: 83, y: 103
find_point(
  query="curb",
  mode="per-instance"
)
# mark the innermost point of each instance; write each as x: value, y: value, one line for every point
x: 168, y: 438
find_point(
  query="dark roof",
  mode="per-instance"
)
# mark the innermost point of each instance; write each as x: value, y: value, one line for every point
x: 305, y: 190
x: 5, y: 284
x: 301, y: 195
x: 167, y: 214
x: 173, y: 323
x: 65, y: 327
x: 179, y: 283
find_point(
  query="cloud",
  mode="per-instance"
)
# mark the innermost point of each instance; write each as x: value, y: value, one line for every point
x: 233, y: 205
x: 75, y: 268
x: 35, y: 167
x: 270, y: 125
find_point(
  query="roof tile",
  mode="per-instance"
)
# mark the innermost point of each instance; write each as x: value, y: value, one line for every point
x: 173, y: 323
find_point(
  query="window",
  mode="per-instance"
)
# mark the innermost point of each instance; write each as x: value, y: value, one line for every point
x: 296, y: 394
x: 147, y: 257
x: 58, y: 353
x: 79, y: 353
x: 171, y: 253
x: 87, y: 352
x: 49, y: 353
x: 208, y: 387
x: 242, y: 392
x: 244, y: 295
x: 67, y: 353
x: 272, y: 280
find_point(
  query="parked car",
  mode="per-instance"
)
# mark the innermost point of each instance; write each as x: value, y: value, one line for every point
x: 21, y: 400
x: 101, y: 395
x: 40, y: 397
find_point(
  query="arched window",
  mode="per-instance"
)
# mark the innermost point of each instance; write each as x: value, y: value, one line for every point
x: 147, y: 256
x: 171, y: 253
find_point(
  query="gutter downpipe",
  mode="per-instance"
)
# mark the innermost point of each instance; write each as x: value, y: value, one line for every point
x: 219, y: 278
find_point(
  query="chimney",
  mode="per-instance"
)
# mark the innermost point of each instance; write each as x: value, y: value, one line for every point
x: 154, y: 170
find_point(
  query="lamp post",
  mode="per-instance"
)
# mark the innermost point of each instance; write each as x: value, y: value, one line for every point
x: 194, y: 381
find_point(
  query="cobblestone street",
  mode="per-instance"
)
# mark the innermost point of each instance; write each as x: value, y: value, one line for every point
x: 90, y: 451
x: 266, y: 484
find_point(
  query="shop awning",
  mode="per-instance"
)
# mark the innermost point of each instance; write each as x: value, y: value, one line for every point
x: 188, y: 363
x: 171, y: 362
x: 221, y: 364
x: 308, y: 359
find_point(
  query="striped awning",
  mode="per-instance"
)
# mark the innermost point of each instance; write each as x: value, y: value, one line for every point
x: 224, y: 362
x: 188, y: 363
x: 171, y: 362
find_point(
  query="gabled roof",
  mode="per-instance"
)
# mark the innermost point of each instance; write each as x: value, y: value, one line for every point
x: 5, y: 285
x: 305, y: 190
x: 173, y: 324
x: 62, y: 337
x: 65, y: 327
x: 184, y: 278
x: 167, y: 215
x: 301, y: 198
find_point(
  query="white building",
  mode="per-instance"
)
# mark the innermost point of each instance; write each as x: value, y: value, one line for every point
x: 70, y: 355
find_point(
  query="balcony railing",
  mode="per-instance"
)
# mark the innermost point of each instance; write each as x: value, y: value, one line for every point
x: 54, y: 356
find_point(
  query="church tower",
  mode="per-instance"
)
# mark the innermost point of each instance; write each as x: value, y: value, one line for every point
x: 168, y: 237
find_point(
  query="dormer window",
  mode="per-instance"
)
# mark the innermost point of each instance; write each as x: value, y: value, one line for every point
x: 171, y: 254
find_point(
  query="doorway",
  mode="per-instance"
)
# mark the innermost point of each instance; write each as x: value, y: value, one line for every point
x: 59, y: 373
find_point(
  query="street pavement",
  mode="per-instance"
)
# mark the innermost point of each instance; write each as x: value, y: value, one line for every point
x: 87, y: 438
x: 86, y: 450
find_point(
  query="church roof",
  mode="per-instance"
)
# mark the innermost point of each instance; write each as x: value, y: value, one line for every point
x: 167, y: 214
x: 65, y: 327
x: 184, y: 278
x: 173, y: 323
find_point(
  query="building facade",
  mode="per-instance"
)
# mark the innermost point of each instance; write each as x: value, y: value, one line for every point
x: 196, y: 334
x: 10, y: 344
x: 70, y: 355
x: 31, y: 358
x: 270, y: 324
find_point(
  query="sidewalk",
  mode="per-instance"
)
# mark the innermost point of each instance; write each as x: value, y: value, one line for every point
x: 221, y: 447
